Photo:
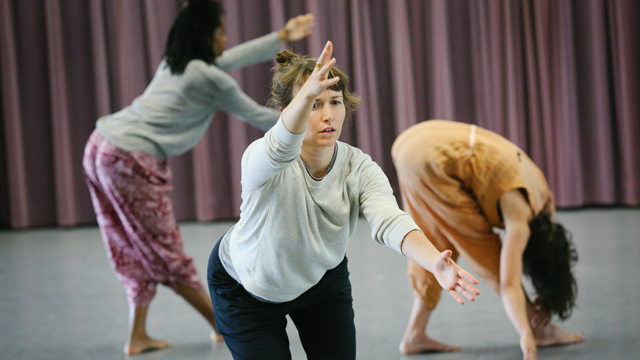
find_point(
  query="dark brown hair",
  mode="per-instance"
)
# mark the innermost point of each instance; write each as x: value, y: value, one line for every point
x: 292, y: 70
x: 548, y: 259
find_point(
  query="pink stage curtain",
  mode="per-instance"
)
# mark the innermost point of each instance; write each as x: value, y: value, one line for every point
x: 560, y: 78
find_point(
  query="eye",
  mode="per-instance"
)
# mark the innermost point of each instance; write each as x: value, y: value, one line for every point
x: 336, y: 102
x: 316, y: 105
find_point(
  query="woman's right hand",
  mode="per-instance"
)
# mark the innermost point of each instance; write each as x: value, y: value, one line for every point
x: 296, y: 115
x: 317, y: 81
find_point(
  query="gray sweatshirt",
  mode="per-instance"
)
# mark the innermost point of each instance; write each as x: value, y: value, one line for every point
x: 174, y: 112
x: 292, y: 228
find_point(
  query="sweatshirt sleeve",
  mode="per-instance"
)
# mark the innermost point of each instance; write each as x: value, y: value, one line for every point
x: 249, y: 53
x: 389, y: 224
x: 268, y: 156
x: 235, y: 101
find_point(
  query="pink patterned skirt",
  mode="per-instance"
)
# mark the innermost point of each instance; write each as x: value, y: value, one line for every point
x: 130, y: 193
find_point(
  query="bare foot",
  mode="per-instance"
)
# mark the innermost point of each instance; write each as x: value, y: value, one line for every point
x: 140, y: 345
x: 422, y: 343
x: 552, y: 335
x: 216, y: 337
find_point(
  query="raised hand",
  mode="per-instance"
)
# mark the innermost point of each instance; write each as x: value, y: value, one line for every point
x: 296, y: 115
x: 297, y: 28
x: 317, y: 81
x: 454, y: 279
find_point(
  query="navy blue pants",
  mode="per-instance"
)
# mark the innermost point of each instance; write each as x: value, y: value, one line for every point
x: 253, y: 329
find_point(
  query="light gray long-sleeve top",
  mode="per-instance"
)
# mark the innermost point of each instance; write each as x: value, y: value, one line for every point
x: 293, y: 228
x: 175, y: 110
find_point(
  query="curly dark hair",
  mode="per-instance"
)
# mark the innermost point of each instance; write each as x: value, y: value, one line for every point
x: 191, y: 35
x: 292, y: 70
x: 548, y: 258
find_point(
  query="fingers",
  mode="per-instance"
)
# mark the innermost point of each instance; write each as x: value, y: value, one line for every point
x: 540, y: 320
x: 326, y: 66
x: 545, y: 321
x: 329, y: 82
x: 326, y: 54
x: 457, y: 297
x: 306, y: 19
x: 324, y: 70
x: 534, y: 321
x: 467, y: 286
x: 466, y: 290
x: 305, y: 23
x: 466, y: 293
x: 297, y: 28
x: 465, y: 275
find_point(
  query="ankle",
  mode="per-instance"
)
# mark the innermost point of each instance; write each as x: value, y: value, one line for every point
x: 414, y: 335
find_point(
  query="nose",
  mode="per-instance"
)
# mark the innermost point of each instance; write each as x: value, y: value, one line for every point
x: 327, y: 113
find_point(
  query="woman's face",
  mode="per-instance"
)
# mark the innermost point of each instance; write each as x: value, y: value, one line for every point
x: 326, y: 119
x: 219, y: 39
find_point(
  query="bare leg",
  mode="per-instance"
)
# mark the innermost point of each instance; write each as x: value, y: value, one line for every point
x: 415, y: 339
x: 138, y: 340
x: 200, y: 300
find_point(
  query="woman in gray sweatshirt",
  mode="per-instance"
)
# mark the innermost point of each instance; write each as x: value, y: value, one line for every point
x: 302, y: 191
x: 125, y: 158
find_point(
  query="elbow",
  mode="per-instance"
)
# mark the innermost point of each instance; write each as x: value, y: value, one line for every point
x: 507, y: 286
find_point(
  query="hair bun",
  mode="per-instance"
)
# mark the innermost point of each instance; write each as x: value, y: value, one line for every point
x: 285, y: 57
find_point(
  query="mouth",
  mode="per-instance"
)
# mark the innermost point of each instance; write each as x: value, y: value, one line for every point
x: 328, y: 130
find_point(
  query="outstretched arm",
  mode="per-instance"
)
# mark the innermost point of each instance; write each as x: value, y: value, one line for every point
x: 516, y: 214
x: 451, y: 277
x: 265, y: 47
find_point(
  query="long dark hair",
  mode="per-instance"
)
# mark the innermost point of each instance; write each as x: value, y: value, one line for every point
x: 192, y: 33
x: 548, y: 259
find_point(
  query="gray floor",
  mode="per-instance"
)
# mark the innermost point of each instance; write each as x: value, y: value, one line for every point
x: 60, y: 300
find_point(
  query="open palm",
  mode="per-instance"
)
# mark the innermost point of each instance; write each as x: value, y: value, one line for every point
x: 454, y: 279
x: 297, y: 27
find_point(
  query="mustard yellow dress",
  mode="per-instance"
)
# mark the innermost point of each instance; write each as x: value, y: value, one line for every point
x: 452, y: 176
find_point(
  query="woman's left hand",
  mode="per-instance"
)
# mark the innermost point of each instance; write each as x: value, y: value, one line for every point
x: 454, y: 279
x: 540, y: 317
x: 296, y: 28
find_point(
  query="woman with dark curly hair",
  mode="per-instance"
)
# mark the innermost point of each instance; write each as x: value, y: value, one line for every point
x: 125, y: 159
x: 458, y: 181
x: 302, y: 191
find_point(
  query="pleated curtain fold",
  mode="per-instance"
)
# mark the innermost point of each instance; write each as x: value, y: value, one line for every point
x: 559, y: 78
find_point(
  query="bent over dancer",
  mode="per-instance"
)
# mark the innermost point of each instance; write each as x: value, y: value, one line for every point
x: 458, y: 181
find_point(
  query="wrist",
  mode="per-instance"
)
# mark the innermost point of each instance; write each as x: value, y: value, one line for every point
x: 307, y: 95
x: 283, y: 35
x: 526, y: 333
